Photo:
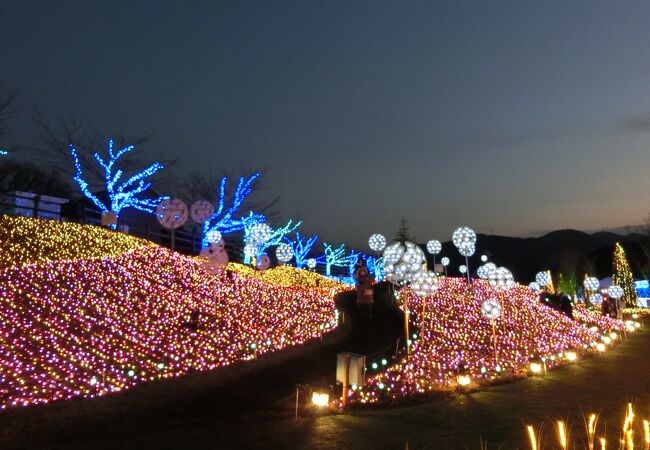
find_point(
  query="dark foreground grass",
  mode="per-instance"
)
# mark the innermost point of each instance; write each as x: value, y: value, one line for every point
x: 496, y: 415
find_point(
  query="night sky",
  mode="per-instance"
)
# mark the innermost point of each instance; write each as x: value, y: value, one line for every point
x: 513, y: 118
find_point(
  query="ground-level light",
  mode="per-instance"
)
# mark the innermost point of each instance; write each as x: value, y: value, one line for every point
x: 320, y: 399
x: 571, y: 356
x: 535, y: 367
x: 464, y: 380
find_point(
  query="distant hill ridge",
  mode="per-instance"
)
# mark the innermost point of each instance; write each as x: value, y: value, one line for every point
x: 557, y: 250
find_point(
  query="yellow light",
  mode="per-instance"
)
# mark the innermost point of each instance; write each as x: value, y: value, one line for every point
x: 571, y: 356
x: 607, y: 340
x: 602, y: 444
x: 561, y: 434
x: 613, y: 335
x: 601, y: 347
x: 532, y: 438
x: 535, y: 367
x: 464, y: 380
x: 630, y: 440
x: 635, y: 316
x: 320, y: 399
x: 637, y: 325
x: 646, y: 433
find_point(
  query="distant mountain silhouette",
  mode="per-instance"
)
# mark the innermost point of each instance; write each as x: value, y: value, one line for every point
x: 557, y: 250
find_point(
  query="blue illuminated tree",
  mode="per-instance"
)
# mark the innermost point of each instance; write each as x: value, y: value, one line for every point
x: 301, y: 246
x: 120, y: 195
x: 334, y: 257
x: 375, y: 267
x: 353, y: 257
x: 277, y: 236
x: 224, y: 220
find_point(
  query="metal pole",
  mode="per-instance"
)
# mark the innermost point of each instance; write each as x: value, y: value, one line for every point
x: 297, y: 399
x: 467, y: 268
x: 494, y: 340
x: 346, y: 379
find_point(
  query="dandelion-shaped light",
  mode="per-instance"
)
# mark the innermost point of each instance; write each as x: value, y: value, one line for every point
x: 284, y: 253
x: 542, y: 278
x: 377, y: 242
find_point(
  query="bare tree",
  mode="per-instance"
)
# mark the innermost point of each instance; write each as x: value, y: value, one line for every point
x: 205, y: 186
x: 27, y: 177
x: 8, y: 108
x: 56, y: 136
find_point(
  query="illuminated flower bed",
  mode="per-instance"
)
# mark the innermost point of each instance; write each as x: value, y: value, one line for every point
x: 288, y: 276
x: 28, y: 241
x: 85, y: 328
x: 453, y: 333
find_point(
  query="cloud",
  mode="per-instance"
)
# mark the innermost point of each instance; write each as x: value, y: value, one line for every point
x: 638, y: 123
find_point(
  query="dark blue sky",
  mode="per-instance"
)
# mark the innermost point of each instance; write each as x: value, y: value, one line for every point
x: 510, y: 117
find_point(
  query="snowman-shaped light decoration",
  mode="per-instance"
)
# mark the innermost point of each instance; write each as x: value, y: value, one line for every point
x: 214, y: 257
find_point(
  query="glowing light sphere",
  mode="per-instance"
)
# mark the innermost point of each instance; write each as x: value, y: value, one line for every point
x: 463, y: 237
x: 501, y: 278
x: 250, y: 250
x: 213, y: 236
x: 259, y: 233
x: 284, y: 253
x: 591, y: 284
x: 542, y: 279
x: 434, y: 247
x: 311, y: 263
x: 171, y: 213
x: 444, y: 261
x: 491, y: 309
x: 615, y: 292
x: 534, y: 286
x: 403, y: 262
x: 424, y: 283
x: 462, y: 269
x: 201, y: 210
x: 482, y: 272
x: 595, y: 299
x: 467, y: 250
x: 484, y: 258
x: 377, y: 242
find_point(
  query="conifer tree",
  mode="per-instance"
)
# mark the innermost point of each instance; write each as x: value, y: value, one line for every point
x: 622, y: 276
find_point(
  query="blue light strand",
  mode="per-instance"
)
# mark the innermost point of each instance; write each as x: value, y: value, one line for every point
x: 277, y: 236
x: 224, y: 222
x: 301, y: 247
x: 120, y: 198
x: 334, y: 257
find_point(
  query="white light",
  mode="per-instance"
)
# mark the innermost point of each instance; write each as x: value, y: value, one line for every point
x: 377, y: 242
x: 571, y: 356
x: 213, y: 236
x: 402, y: 263
x: 542, y: 279
x: 319, y: 399
x: 444, y: 261
x: 467, y: 250
x: 434, y: 247
x: 311, y: 263
x: 535, y: 367
x: 284, y: 253
x: 462, y: 269
x: 501, y: 278
x: 250, y: 250
x: 424, y: 283
x: 595, y: 299
x: 615, y: 292
x: 534, y: 286
x: 591, y: 284
x: 259, y: 233
x: 484, y: 258
x: 491, y: 309
x: 464, y: 237
x: 482, y: 272
x: 464, y: 380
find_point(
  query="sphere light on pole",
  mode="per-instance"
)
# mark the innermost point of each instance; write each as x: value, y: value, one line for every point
x: 284, y: 253
x: 377, y: 242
